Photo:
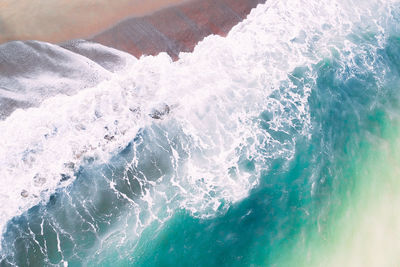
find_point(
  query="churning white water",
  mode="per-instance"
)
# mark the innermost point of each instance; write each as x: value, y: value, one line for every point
x: 200, y: 115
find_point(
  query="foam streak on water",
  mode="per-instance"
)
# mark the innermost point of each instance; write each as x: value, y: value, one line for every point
x: 155, y: 135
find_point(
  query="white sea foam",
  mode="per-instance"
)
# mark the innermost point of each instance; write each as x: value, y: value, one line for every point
x: 216, y: 95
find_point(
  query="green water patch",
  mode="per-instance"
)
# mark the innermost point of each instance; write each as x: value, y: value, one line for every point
x: 360, y: 225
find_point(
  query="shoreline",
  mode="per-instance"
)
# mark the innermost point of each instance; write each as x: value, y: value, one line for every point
x: 172, y: 30
x: 177, y: 28
x: 170, y: 26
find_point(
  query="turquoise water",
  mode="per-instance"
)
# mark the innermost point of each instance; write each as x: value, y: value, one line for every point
x: 305, y: 206
x: 349, y: 110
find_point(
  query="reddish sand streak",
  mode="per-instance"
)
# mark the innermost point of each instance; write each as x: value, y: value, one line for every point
x: 176, y: 29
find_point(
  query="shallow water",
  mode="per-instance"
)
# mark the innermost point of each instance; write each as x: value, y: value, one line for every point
x: 274, y: 146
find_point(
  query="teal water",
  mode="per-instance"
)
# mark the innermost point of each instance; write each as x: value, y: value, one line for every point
x: 294, y: 211
x: 350, y: 108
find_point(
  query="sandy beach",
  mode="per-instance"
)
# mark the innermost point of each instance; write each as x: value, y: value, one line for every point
x: 58, y: 21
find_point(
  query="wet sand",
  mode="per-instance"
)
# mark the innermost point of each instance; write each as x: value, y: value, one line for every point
x: 177, y: 28
x: 61, y: 20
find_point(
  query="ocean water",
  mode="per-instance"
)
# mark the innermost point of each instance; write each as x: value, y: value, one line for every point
x: 277, y: 145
